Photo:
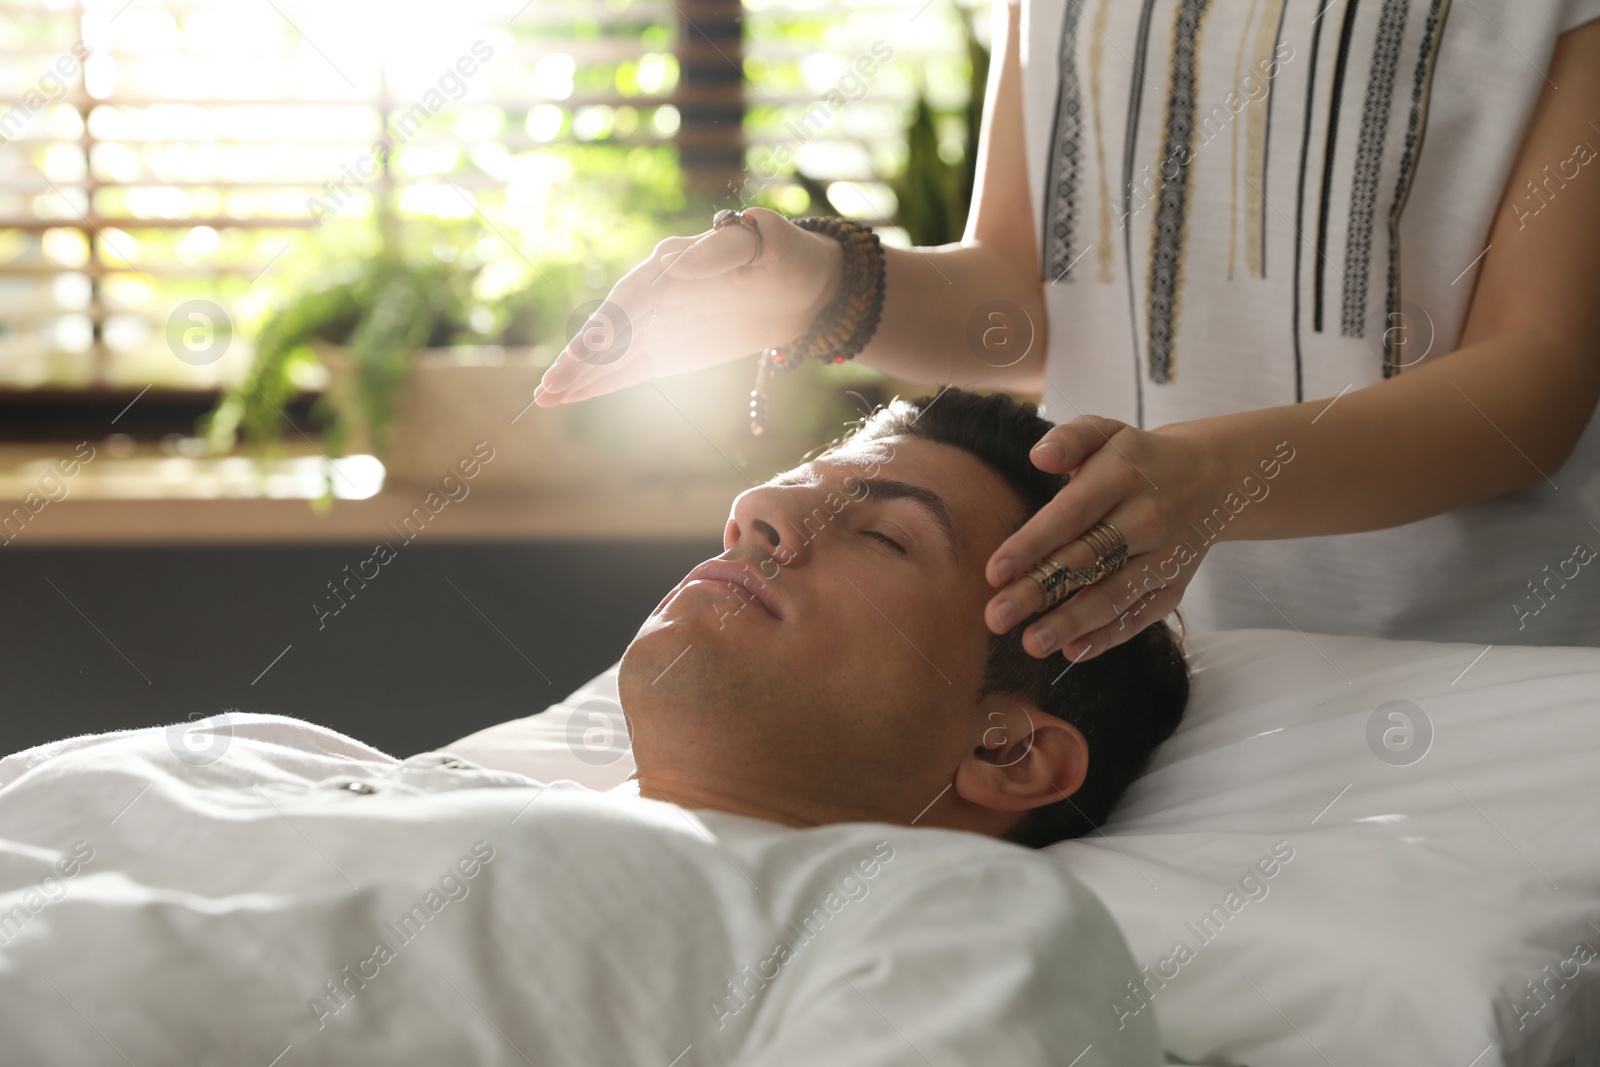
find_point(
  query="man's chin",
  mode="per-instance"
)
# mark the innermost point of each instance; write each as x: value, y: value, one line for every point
x: 666, y: 639
x: 693, y: 643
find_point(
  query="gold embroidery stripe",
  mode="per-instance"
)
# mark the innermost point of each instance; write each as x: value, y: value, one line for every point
x: 1097, y: 51
x: 1255, y: 150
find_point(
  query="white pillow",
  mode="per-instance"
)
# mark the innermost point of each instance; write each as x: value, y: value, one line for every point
x: 1410, y: 835
x: 583, y: 739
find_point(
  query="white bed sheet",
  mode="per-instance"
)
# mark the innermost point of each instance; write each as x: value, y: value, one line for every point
x: 1422, y: 893
x: 281, y: 894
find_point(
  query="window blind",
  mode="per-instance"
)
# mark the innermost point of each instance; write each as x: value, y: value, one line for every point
x: 157, y: 155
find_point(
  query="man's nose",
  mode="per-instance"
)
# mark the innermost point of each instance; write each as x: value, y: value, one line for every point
x: 770, y: 519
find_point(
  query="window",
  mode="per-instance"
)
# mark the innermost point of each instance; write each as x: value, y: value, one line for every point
x: 163, y: 158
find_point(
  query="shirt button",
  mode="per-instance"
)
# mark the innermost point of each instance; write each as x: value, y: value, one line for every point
x: 360, y: 787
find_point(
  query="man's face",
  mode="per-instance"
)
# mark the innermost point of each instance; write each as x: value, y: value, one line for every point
x: 859, y: 685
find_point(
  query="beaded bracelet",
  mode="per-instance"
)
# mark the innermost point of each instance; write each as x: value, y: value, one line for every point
x: 845, y: 326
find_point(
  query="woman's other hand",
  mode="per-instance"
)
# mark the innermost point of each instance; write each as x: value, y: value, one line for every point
x: 699, y: 301
x: 1145, y: 483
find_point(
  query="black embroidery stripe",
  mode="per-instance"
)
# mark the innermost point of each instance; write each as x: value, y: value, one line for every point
x: 1129, y: 149
x: 1266, y: 142
x: 1335, y: 93
x: 1300, y: 206
x: 1369, y: 163
x: 1172, y: 207
x: 1061, y: 181
x: 1416, y: 128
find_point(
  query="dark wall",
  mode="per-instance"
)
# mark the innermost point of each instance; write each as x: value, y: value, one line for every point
x: 102, y: 639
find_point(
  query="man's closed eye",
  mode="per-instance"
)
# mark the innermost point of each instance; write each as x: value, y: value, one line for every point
x: 886, y: 539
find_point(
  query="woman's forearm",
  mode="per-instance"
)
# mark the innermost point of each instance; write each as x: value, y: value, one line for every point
x: 972, y: 313
x: 1496, y: 416
x: 960, y: 313
x: 1500, y: 413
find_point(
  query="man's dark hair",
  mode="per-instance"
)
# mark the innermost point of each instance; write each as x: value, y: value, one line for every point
x: 1126, y: 700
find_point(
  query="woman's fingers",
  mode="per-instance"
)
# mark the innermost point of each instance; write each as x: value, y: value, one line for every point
x: 606, y: 336
x: 710, y: 309
x: 604, y: 342
x: 1104, y: 615
x: 1140, y: 483
x: 1025, y: 596
x: 1094, y: 492
x: 1115, y: 600
x: 713, y: 252
x: 598, y: 359
x: 609, y: 337
x: 653, y: 347
x: 638, y: 367
x: 1065, y: 447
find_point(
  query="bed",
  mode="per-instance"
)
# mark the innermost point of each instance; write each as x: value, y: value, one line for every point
x: 1353, y: 851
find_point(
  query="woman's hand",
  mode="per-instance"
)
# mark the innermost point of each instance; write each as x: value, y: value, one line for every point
x: 699, y: 301
x: 1142, y: 482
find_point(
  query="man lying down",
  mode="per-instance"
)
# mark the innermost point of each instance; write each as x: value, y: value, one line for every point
x: 821, y: 860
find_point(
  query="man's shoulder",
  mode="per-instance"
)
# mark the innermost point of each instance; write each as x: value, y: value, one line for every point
x: 905, y: 861
x: 886, y: 921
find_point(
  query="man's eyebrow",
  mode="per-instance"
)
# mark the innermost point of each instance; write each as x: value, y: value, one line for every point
x: 931, y: 503
x: 797, y: 476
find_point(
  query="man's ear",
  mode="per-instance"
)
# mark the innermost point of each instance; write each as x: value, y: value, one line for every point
x: 1022, y: 758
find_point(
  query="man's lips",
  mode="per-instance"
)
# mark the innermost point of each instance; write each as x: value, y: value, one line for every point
x: 746, y: 584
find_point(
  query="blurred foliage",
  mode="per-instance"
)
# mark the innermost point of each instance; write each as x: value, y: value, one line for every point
x: 566, y: 222
x: 400, y: 283
x: 383, y: 308
x: 934, y: 196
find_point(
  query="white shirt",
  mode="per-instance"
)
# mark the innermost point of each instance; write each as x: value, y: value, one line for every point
x: 243, y: 902
x: 1266, y: 271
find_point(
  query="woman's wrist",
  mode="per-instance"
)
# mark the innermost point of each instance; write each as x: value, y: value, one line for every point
x: 846, y: 323
x: 831, y: 264
x: 1215, y: 471
x: 1241, y: 460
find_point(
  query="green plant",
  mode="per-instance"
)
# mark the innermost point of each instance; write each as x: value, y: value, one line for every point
x: 536, y: 312
x: 382, y: 307
x: 934, y: 196
x: 399, y: 283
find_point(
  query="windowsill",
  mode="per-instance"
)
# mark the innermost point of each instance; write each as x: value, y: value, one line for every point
x: 162, y: 477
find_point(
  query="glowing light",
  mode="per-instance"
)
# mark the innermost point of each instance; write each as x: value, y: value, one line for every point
x: 74, y: 333
x: 64, y: 163
x: 430, y: 159
x: 664, y: 123
x: 863, y: 199
x: 592, y: 123
x: 126, y: 333
x: 654, y: 71
x: 553, y: 76
x: 118, y: 249
x: 492, y: 159
x: 544, y: 122
x: 125, y: 475
x: 440, y: 201
x: 71, y: 290
x: 68, y: 247
x: 202, y: 240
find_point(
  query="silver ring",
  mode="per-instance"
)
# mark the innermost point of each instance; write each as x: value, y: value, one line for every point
x: 727, y: 215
